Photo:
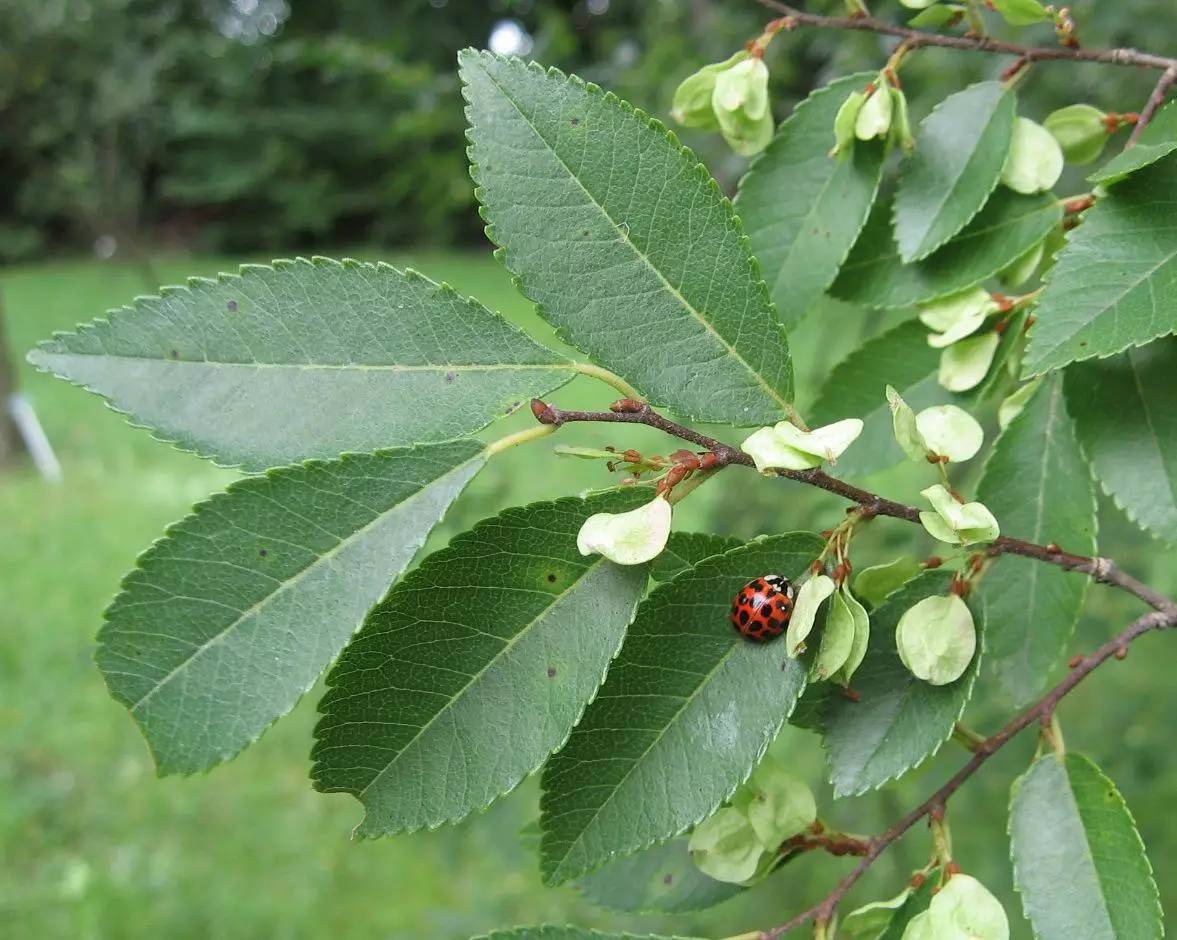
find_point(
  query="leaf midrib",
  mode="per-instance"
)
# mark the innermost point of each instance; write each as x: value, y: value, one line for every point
x: 311, y: 366
x: 1043, y: 360
x: 523, y: 632
x: 922, y: 251
x: 704, y: 681
x: 624, y: 237
x: 265, y: 601
x: 1087, y: 853
x: 955, y: 241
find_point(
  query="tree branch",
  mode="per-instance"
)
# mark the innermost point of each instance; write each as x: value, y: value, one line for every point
x: 1155, y: 100
x: 1114, y: 648
x: 629, y: 411
x: 918, y: 37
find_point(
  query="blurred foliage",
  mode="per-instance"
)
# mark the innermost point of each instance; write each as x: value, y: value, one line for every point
x: 238, y: 124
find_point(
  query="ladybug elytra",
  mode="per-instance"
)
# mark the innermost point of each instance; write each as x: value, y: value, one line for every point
x: 762, y: 608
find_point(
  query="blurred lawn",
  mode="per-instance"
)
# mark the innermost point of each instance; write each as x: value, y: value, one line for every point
x: 92, y: 845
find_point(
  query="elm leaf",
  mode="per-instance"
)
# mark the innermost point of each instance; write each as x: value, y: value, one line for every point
x: 1005, y: 229
x: 899, y: 721
x: 1039, y: 486
x: 1079, y: 863
x: 804, y: 210
x: 686, y: 549
x: 1114, y: 285
x: 1125, y: 411
x: 686, y: 713
x: 232, y: 616
x: 660, y: 879
x: 305, y: 359
x: 625, y: 242
x: 960, y: 150
x: 475, y: 667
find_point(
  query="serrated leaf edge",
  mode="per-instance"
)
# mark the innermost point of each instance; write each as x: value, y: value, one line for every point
x: 1028, y: 371
x: 357, y: 832
x: 772, y: 736
x: 141, y: 303
x: 1019, y: 418
x: 974, y: 670
x: 1015, y: 789
x: 521, y: 282
x: 174, y: 528
x: 781, y: 131
x: 899, y: 190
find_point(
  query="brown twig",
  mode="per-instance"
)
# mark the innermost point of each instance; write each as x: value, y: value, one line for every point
x: 1156, y: 620
x: 1155, y: 100
x: 1164, y: 615
x: 628, y: 411
x: 918, y: 37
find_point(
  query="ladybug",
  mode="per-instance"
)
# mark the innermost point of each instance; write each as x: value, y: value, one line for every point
x: 762, y: 608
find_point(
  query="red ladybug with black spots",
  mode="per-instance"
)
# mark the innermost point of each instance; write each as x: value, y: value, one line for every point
x: 762, y: 609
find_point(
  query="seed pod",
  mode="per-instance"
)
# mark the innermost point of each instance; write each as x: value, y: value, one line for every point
x: 1081, y: 130
x: 692, y: 99
x: 874, y: 119
x: 1035, y: 159
x: 937, y: 639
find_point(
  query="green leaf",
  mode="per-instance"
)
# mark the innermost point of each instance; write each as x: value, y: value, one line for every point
x: 233, y: 615
x: 1021, y: 12
x: 624, y: 241
x: 960, y: 150
x: 305, y: 359
x: 1079, y: 863
x: 475, y: 667
x: 660, y: 879
x: 1125, y: 411
x: 686, y: 549
x: 1113, y: 284
x: 687, y: 711
x: 938, y: 15
x: 917, y: 902
x: 803, y: 210
x: 1039, y: 486
x: 1157, y: 140
x: 567, y: 933
x: 1005, y: 229
x: 858, y: 386
x: 873, y: 584
x: 899, y: 720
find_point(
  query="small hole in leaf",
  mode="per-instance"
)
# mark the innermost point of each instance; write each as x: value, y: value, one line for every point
x: 669, y: 879
x: 450, y: 376
x: 263, y: 553
x: 551, y: 672
x: 575, y: 122
x: 551, y: 579
x: 232, y: 305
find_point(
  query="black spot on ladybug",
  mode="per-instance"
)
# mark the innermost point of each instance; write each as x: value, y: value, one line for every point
x: 762, y: 608
x: 551, y: 672
x: 232, y: 305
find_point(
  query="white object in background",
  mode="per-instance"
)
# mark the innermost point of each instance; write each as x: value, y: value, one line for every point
x: 31, y: 432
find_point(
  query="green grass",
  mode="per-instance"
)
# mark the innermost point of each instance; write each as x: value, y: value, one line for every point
x: 93, y: 845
